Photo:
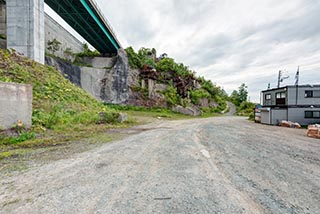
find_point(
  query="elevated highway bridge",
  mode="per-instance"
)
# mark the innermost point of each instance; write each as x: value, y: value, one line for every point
x: 85, y: 17
x: 25, y: 25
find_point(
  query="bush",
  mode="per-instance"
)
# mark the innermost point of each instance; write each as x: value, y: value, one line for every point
x: 134, y: 59
x: 196, y: 95
x: 171, y: 96
x: 245, y: 108
x: 23, y: 136
x: 108, y: 117
x: 87, y: 52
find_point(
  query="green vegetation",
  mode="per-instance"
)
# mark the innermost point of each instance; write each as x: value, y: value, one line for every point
x: 87, y: 52
x: 53, y: 45
x: 68, y: 53
x: 150, y: 114
x: 133, y: 58
x: 184, y: 87
x: 171, y: 95
x: 197, y: 94
x: 246, y: 109
x: 3, y: 36
x: 239, y: 98
x: 58, y: 105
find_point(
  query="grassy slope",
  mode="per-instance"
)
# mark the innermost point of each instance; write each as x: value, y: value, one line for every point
x: 58, y: 105
x: 62, y: 112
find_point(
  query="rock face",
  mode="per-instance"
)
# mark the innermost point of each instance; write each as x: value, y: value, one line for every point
x: 205, y: 102
x: 190, y: 110
x: 145, y: 93
x: 107, y: 85
x: 117, y: 91
x: 68, y: 70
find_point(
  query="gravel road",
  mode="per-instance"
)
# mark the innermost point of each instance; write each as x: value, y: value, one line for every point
x: 232, y: 109
x: 215, y: 165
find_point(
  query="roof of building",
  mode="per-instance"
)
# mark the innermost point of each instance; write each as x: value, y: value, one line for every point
x: 293, y: 86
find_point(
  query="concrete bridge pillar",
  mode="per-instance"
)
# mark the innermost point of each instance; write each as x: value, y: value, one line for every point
x: 25, y: 28
x: 3, y: 25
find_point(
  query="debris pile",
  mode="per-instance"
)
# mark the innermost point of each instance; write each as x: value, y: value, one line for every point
x: 290, y: 124
x: 314, y: 131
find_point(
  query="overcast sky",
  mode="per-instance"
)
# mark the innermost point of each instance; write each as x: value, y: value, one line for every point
x: 227, y: 41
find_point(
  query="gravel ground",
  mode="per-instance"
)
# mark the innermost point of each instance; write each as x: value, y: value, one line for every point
x: 232, y: 109
x: 216, y: 165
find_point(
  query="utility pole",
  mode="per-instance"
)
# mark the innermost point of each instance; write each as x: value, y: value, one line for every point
x: 296, y: 83
x: 281, y: 78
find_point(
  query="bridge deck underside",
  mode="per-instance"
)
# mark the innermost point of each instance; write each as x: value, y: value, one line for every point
x: 78, y: 17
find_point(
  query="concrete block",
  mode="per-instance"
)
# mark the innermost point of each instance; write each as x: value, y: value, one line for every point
x: 15, y: 104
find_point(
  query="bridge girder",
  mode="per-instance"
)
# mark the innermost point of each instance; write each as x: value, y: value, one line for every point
x: 87, y: 20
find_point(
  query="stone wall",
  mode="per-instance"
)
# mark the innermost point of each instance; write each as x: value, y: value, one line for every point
x: 15, y: 104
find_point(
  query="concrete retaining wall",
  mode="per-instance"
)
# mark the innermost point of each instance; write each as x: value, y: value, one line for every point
x: 107, y: 85
x: 15, y: 104
x: 53, y: 30
x: 100, y: 62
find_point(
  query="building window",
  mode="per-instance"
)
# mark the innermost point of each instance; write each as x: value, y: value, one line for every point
x: 281, y: 98
x: 280, y: 95
x: 268, y: 96
x: 310, y: 93
x: 312, y: 114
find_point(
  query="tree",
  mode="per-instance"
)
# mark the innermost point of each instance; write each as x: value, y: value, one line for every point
x: 235, y: 97
x: 243, y: 93
x: 240, y: 96
x: 53, y: 45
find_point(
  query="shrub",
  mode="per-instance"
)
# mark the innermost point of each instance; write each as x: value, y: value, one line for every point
x: 171, y: 96
x: 87, y: 52
x: 245, y: 108
x: 196, y: 95
x: 133, y: 58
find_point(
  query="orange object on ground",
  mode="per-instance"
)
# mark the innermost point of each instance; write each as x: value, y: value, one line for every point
x: 313, y: 131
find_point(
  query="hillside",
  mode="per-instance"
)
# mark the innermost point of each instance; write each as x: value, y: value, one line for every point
x: 172, y: 84
x: 57, y: 103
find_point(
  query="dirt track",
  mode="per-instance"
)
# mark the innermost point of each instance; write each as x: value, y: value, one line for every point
x: 216, y: 165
